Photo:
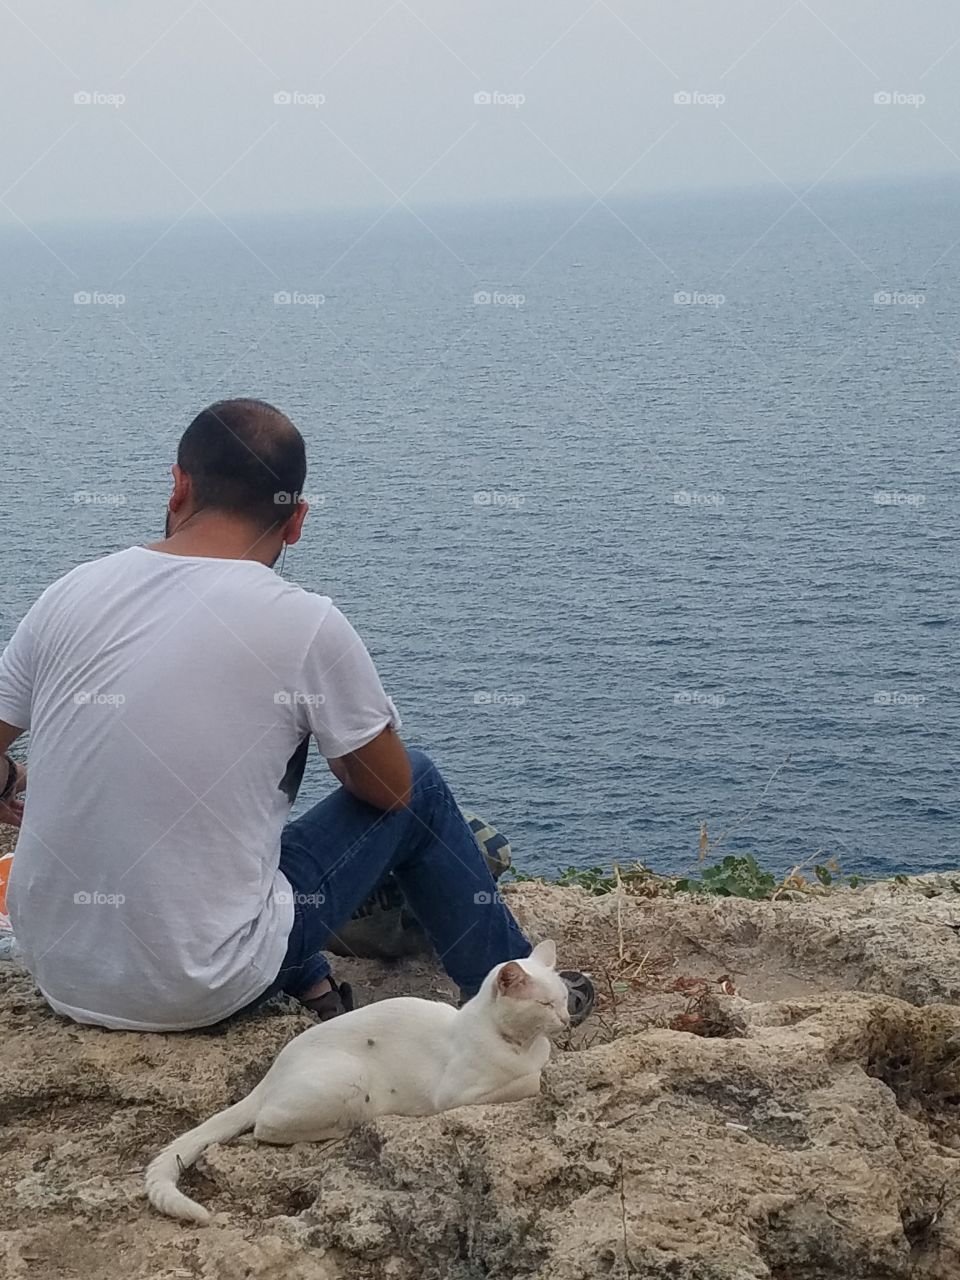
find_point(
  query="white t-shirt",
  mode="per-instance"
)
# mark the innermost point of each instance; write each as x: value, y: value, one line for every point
x: 169, y: 699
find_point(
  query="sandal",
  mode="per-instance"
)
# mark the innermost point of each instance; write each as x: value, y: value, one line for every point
x: 338, y: 1000
x: 582, y: 995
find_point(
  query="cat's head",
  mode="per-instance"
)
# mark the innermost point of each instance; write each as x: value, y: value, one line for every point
x: 529, y: 996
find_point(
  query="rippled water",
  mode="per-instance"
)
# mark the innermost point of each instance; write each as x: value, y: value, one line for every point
x: 620, y: 558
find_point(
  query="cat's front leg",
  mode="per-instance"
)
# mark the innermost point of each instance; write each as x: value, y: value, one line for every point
x: 516, y: 1090
x: 538, y: 1054
x: 481, y: 1094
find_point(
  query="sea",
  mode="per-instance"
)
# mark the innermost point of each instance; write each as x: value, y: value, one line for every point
x: 647, y: 508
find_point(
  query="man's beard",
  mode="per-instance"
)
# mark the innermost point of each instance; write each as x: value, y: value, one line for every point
x: 166, y: 526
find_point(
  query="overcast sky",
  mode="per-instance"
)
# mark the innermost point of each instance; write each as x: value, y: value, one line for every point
x: 183, y: 113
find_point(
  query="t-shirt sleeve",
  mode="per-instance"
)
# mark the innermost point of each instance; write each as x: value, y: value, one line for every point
x: 345, y: 703
x: 17, y: 670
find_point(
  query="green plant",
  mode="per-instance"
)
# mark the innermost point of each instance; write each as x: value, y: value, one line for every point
x: 594, y: 879
x: 734, y: 877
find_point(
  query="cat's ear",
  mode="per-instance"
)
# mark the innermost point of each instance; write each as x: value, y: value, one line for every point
x: 546, y: 954
x: 510, y: 979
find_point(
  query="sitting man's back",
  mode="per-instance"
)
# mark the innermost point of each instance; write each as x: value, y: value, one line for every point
x: 171, y: 692
x: 173, y: 701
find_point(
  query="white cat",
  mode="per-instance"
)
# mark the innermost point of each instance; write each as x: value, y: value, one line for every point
x: 402, y: 1057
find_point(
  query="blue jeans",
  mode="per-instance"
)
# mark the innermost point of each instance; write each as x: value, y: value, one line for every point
x: 339, y: 851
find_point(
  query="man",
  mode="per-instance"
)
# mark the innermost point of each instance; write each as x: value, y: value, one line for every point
x: 171, y: 692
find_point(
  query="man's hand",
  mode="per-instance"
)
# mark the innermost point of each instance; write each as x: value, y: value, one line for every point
x: 378, y: 773
x: 11, y: 812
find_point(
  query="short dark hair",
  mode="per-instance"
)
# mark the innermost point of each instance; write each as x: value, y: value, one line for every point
x: 245, y: 458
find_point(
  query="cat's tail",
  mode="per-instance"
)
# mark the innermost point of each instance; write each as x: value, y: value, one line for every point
x: 164, y: 1170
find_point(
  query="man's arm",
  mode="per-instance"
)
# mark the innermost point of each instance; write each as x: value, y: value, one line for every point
x: 378, y: 773
x: 9, y: 733
x: 11, y: 812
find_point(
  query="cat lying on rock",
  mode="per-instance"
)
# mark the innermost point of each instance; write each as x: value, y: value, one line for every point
x: 403, y: 1057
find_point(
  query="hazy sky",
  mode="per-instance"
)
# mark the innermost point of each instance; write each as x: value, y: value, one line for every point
x: 784, y: 90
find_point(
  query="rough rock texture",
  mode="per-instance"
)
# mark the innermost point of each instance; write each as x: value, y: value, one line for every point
x: 803, y: 1124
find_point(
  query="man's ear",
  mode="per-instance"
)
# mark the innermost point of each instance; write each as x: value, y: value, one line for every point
x: 182, y: 488
x: 293, y: 529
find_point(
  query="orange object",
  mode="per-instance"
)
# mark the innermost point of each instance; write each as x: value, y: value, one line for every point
x: 6, y: 862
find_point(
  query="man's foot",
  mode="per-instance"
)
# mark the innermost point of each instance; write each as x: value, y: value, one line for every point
x: 337, y: 999
x: 582, y: 995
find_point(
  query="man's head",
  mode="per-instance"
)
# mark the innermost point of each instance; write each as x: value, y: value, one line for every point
x: 243, y: 462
